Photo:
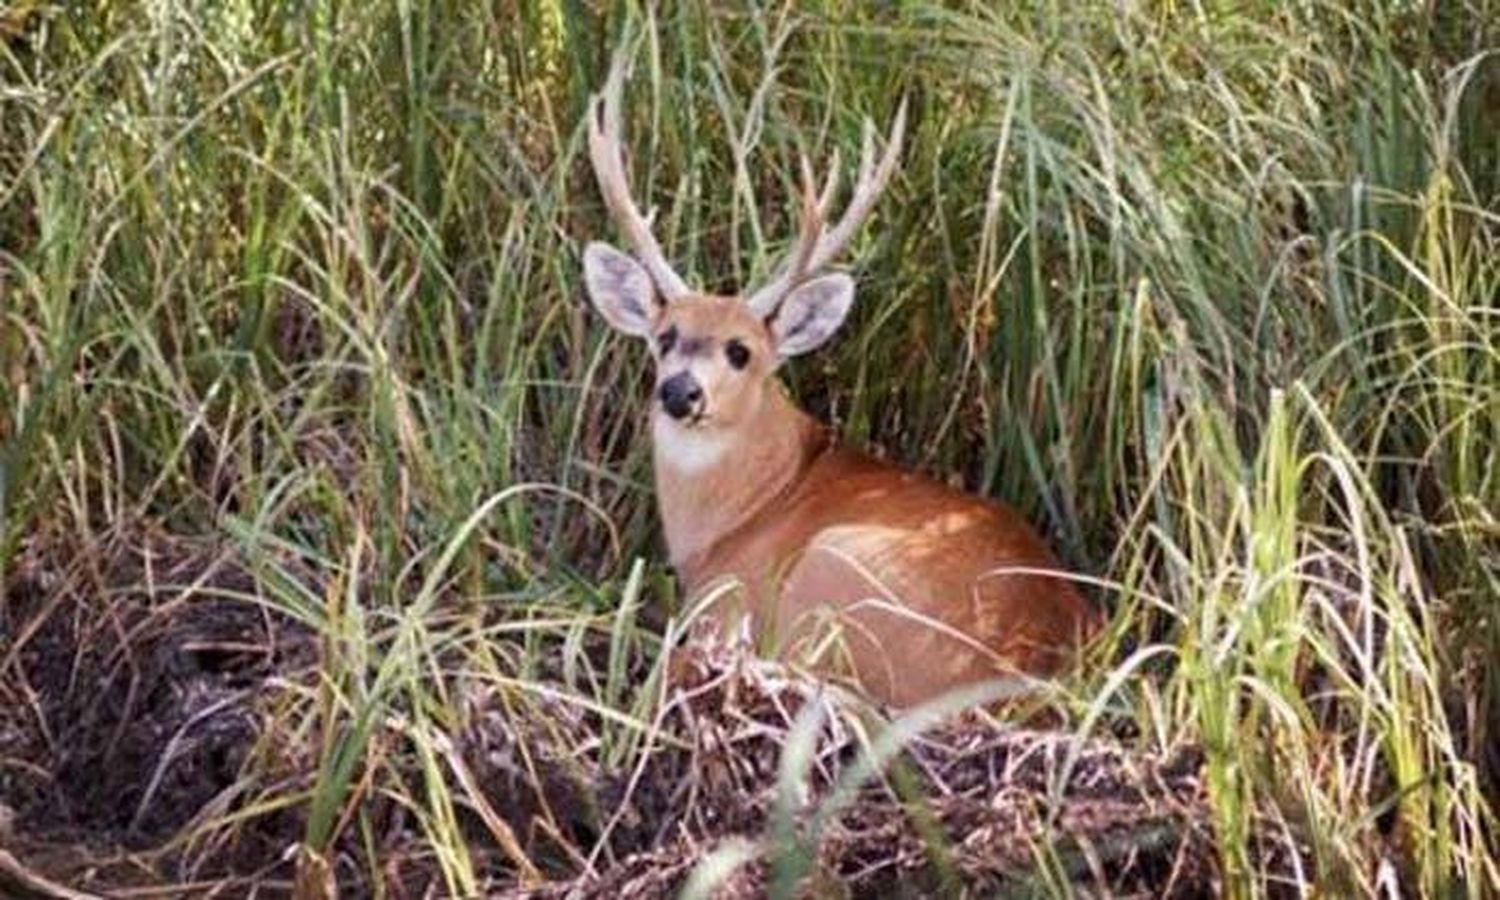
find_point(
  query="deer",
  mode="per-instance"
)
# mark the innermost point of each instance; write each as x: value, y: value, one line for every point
x: 848, y: 564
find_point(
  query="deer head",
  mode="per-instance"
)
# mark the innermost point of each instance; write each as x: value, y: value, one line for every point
x: 715, y: 356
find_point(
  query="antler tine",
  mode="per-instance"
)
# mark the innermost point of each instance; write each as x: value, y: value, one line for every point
x: 813, y: 216
x: 606, y: 153
x: 810, y: 227
x: 812, y: 254
x: 831, y: 185
x: 867, y: 190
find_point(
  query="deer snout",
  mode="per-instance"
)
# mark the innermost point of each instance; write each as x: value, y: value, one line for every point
x: 681, y: 396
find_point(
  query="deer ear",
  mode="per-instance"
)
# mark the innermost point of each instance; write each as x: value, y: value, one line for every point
x: 620, y: 288
x: 811, y: 314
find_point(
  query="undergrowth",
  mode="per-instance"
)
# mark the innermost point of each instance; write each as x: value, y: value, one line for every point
x: 291, y: 324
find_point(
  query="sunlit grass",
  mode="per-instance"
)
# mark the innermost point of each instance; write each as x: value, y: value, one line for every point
x: 1210, y: 294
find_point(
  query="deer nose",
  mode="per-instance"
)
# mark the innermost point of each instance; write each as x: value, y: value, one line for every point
x: 680, y: 395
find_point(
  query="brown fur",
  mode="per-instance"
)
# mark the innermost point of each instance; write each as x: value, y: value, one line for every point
x: 844, y: 561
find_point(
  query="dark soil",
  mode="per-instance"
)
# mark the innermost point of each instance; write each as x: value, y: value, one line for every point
x: 131, y: 684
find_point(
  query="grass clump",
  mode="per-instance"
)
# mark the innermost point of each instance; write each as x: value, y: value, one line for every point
x: 307, y: 440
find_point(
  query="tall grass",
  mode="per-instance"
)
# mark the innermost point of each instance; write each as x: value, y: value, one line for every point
x: 1209, y: 291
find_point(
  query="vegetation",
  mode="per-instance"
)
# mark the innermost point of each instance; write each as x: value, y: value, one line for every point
x: 300, y: 405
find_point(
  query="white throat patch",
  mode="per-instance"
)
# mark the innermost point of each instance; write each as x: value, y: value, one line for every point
x: 684, y: 449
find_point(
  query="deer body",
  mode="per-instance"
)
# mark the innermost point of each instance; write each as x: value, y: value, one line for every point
x: 860, y: 566
x: 836, y: 559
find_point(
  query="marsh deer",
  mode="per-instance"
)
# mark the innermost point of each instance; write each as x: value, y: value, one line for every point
x: 911, y: 586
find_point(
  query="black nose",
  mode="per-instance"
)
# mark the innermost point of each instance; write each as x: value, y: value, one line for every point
x: 680, y: 394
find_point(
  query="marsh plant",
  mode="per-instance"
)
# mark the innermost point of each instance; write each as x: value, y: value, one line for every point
x: 292, y: 333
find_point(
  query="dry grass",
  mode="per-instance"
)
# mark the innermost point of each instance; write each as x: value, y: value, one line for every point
x: 325, y: 521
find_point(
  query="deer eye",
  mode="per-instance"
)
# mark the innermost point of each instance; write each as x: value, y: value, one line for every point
x: 739, y: 354
x: 667, y: 340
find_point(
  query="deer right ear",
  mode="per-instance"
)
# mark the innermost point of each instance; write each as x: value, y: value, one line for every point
x: 811, y: 313
x: 620, y: 288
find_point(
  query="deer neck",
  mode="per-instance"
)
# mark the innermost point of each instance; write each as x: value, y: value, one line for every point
x: 711, y: 482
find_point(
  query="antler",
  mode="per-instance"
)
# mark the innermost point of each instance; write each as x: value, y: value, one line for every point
x: 815, y: 248
x: 609, y: 169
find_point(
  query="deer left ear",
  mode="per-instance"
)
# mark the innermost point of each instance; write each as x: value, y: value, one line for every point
x: 620, y: 289
x: 811, y: 314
